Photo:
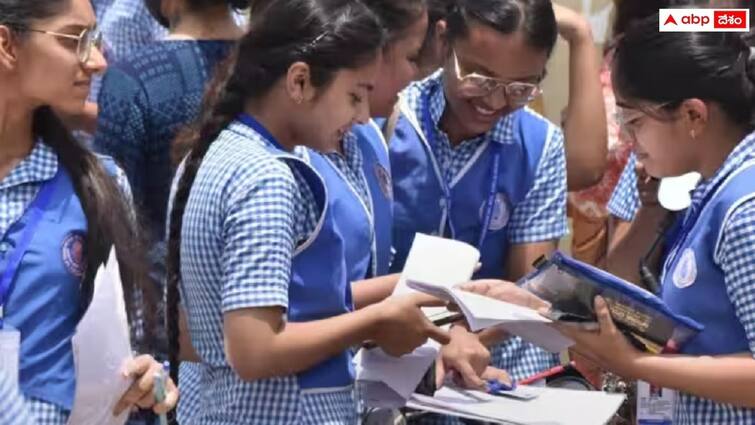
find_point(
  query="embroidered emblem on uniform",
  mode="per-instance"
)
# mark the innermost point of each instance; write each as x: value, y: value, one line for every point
x: 685, y: 272
x: 501, y: 212
x: 384, y: 180
x: 73, y: 253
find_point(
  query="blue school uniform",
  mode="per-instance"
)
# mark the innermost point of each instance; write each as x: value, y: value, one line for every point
x: 708, y: 276
x: 243, y: 248
x: 505, y: 187
x: 43, y: 229
x: 361, y: 175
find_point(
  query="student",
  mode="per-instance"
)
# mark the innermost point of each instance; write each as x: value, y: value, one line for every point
x: 269, y: 306
x: 585, y: 139
x: 686, y: 101
x: 465, y: 128
x: 361, y: 170
x: 53, y: 187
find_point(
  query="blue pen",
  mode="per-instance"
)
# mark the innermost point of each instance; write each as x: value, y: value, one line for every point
x: 159, y: 389
x: 496, y: 386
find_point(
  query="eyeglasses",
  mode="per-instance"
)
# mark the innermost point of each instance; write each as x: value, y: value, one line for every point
x: 629, y: 119
x: 475, y: 85
x: 88, y: 39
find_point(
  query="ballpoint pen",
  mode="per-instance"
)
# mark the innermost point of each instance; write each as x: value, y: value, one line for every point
x: 159, y: 389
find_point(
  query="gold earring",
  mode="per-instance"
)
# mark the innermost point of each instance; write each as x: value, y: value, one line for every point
x: 299, y: 99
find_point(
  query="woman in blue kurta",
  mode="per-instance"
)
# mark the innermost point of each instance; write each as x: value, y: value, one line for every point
x: 471, y: 163
x: 687, y: 101
x: 260, y: 256
x: 62, y: 207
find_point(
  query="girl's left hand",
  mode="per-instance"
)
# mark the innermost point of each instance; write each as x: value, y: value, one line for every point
x: 607, y: 346
x: 143, y: 369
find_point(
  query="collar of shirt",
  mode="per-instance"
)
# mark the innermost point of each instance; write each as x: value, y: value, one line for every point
x: 744, y: 151
x: 246, y: 131
x: 502, y: 132
x: 39, y: 166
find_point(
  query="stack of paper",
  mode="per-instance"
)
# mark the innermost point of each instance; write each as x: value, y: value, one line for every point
x: 386, y: 381
x: 551, y: 406
x: 101, y: 348
x: 436, y: 266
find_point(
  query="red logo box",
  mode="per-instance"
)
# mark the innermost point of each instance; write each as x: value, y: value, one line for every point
x: 730, y: 19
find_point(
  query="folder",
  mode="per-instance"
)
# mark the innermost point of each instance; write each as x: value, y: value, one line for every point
x: 571, y: 287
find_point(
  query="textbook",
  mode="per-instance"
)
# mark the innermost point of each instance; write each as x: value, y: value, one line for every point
x: 571, y: 287
x: 437, y: 266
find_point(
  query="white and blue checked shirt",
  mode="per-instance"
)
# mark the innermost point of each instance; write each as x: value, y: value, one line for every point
x: 246, y: 214
x: 736, y: 258
x: 349, y: 162
x: 540, y: 217
x: 17, y: 190
x: 13, y: 409
x: 625, y: 200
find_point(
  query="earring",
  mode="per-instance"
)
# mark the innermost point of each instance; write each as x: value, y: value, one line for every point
x: 693, y: 134
x: 299, y: 99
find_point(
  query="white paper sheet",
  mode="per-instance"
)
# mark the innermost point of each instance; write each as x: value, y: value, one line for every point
x: 101, y: 347
x: 551, y: 407
x: 400, y: 374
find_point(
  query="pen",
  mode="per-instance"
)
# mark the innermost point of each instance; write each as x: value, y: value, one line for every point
x: 496, y: 386
x: 440, y: 322
x: 545, y: 374
x: 159, y: 389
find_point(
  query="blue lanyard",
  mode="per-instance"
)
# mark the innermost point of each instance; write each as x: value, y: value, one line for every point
x: 257, y: 126
x: 35, y: 212
x: 447, y: 197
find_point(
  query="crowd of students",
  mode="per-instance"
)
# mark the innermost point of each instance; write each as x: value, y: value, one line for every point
x: 262, y: 167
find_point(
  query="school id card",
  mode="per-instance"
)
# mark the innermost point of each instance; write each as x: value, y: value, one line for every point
x: 655, y: 405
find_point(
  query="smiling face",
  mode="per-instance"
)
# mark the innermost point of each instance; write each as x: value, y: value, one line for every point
x: 45, y: 68
x: 339, y: 106
x: 514, y: 61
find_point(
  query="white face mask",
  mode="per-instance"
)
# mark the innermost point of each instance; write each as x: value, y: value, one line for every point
x: 674, y: 192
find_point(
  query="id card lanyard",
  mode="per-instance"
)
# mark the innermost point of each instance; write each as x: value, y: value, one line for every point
x: 10, y: 339
x: 447, y: 203
x: 35, y: 212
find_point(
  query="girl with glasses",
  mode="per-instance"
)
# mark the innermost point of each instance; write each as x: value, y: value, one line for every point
x: 686, y: 101
x: 470, y: 162
x: 63, y: 208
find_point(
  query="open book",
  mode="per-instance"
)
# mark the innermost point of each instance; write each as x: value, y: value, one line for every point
x: 436, y: 266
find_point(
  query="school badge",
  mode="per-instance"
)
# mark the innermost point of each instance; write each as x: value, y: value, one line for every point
x: 73, y: 253
x: 384, y: 180
x: 685, y: 272
x: 501, y: 212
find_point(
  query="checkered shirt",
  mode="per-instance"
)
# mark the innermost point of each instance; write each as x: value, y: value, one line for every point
x: 349, y: 163
x: 625, y: 201
x: 541, y: 216
x: 736, y: 258
x: 238, y: 240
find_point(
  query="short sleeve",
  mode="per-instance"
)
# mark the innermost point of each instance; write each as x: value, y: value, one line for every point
x: 625, y: 200
x: 736, y: 257
x: 541, y: 216
x: 258, y: 237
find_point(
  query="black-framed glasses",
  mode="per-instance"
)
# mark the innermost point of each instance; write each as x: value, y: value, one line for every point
x: 88, y: 39
x: 475, y: 85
